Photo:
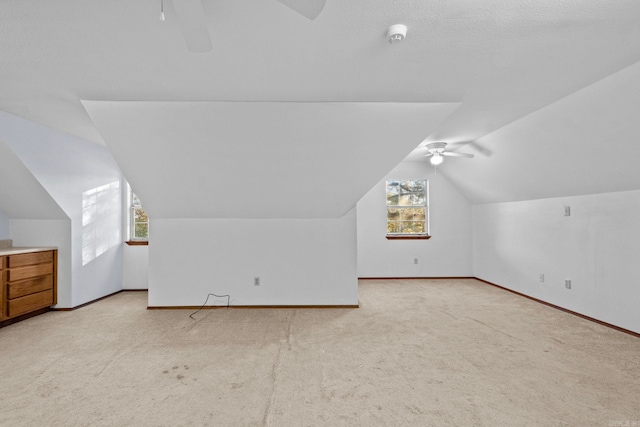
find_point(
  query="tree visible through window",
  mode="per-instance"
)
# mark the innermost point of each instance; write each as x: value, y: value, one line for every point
x: 407, y: 208
x: 139, y: 221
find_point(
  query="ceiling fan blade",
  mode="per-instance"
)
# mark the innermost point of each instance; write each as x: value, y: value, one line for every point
x: 428, y: 154
x: 474, y: 144
x: 192, y: 22
x: 481, y: 149
x: 454, y: 154
x: 310, y: 9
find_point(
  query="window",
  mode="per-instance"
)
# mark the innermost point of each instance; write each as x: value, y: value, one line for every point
x: 408, y: 209
x: 138, y: 220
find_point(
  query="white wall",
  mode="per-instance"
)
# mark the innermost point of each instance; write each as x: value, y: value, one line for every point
x: 596, y: 248
x: 447, y: 253
x: 21, y: 194
x: 36, y: 232
x: 135, y: 267
x: 299, y: 261
x: 72, y: 172
x: 4, y: 226
x: 274, y: 172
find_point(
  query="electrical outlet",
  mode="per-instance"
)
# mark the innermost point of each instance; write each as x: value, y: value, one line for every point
x: 256, y: 281
x: 567, y: 284
x: 415, y: 260
x: 542, y: 277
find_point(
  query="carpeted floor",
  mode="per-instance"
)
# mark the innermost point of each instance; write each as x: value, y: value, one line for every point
x: 416, y: 353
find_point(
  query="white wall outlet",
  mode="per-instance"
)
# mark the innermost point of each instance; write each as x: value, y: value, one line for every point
x: 541, y: 278
x: 415, y: 260
x: 567, y: 284
x: 567, y: 211
x: 256, y: 281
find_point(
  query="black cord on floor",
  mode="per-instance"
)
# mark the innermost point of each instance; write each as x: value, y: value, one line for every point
x: 205, y: 303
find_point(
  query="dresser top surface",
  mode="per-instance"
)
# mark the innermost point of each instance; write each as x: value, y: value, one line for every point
x: 15, y: 250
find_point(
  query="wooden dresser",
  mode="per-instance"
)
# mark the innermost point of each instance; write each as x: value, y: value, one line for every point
x: 29, y: 281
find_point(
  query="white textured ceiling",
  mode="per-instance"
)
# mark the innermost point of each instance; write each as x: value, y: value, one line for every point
x: 259, y: 159
x: 585, y: 143
x: 502, y: 60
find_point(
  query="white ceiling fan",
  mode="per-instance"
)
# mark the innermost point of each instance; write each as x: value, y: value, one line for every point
x: 437, y: 151
x: 480, y: 148
x: 191, y: 18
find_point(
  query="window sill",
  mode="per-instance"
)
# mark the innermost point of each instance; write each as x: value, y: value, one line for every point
x: 408, y: 237
x: 137, y: 242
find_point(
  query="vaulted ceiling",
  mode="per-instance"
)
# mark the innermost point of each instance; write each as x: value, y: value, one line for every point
x: 504, y: 62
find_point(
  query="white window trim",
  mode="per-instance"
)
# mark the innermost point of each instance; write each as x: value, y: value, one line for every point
x: 131, y: 217
x: 427, y: 233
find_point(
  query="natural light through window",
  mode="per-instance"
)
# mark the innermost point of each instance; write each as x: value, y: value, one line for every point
x: 408, y: 207
x: 138, y: 220
x: 101, y: 218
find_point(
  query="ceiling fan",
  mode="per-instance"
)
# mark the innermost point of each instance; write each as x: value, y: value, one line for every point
x: 191, y: 18
x: 436, y: 150
x: 473, y: 144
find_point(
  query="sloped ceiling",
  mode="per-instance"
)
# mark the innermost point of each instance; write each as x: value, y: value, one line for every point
x: 501, y: 60
x: 586, y: 143
x: 21, y: 195
x: 261, y: 159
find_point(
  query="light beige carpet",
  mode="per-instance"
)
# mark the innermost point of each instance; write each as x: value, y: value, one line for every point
x: 417, y: 353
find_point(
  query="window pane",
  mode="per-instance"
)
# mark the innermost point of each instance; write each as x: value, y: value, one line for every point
x: 393, y: 214
x: 416, y: 186
x: 419, y: 214
x: 418, y: 199
x: 392, y: 200
x: 405, y: 227
x: 141, y: 230
x: 412, y: 227
x: 393, y: 227
x: 405, y: 200
x: 139, y: 215
x: 393, y: 187
x: 406, y: 214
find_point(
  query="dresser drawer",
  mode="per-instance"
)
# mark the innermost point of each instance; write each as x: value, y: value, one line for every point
x: 30, y: 286
x: 21, y: 273
x: 29, y: 303
x: 31, y: 258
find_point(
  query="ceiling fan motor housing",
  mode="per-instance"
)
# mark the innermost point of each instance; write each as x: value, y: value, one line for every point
x: 436, y: 147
